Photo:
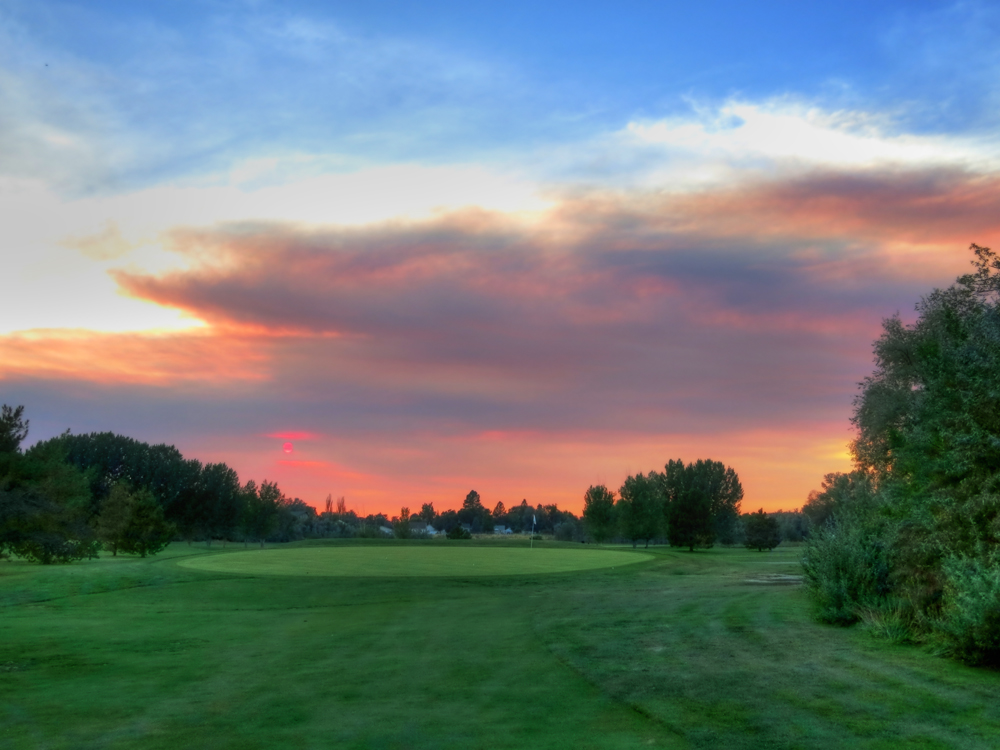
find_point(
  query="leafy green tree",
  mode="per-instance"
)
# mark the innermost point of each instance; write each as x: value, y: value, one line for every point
x: 218, y: 502
x: 427, y: 513
x: 457, y: 532
x: 702, y: 502
x: 928, y: 422
x: 688, y: 508
x: 640, y: 507
x: 762, y: 531
x: 13, y: 428
x: 928, y: 442
x: 837, y: 491
x: 262, y: 510
x: 599, y: 513
x: 39, y: 529
x: 45, y: 503
x: 149, y: 531
x: 133, y: 522
x: 109, y: 459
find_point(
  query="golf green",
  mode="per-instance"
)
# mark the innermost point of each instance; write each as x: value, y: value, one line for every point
x: 412, y: 561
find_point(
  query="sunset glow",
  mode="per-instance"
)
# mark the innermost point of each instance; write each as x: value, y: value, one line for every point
x: 434, y: 258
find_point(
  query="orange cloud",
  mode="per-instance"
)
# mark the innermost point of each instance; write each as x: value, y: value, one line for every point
x: 167, y: 359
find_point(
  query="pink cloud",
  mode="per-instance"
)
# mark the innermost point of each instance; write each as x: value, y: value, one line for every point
x: 420, y: 361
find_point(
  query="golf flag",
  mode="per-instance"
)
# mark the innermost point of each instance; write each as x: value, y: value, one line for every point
x: 533, y: 521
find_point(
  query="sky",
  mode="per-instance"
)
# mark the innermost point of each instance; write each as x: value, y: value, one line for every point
x: 396, y: 251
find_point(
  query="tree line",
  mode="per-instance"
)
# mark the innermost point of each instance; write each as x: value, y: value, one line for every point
x: 909, y: 541
x: 472, y: 516
x: 689, y: 505
x: 66, y: 498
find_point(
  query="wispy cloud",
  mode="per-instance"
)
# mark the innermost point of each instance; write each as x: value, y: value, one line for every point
x: 87, y: 121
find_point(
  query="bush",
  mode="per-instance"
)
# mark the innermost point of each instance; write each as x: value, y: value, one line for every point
x: 968, y: 627
x: 847, y: 569
x: 459, y: 533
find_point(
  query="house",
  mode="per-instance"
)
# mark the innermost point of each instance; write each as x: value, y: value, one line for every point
x: 502, y: 530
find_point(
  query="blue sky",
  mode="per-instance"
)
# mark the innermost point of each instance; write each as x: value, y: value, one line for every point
x: 509, y: 247
x: 178, y: 90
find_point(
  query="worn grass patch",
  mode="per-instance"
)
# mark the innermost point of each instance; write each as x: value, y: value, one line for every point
x: 413, y: 561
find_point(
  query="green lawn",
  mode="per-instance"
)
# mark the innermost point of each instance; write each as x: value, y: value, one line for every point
x: 415, y: 561
x: 707, y: 650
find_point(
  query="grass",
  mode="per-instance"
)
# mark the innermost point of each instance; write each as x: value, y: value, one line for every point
x: 707, y: 650
x: 413, y: 561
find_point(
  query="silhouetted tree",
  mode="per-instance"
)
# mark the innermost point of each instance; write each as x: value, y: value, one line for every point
x: 263, y: 508
x: 640, y: 507
x: 599, y: 512
x: 702, y: 500
x: 688, y: 508
x: 13, y: 428
x: 762, y: 531
x: 401, y: 526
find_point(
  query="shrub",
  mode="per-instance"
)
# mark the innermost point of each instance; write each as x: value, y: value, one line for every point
x: 459, y: 533
x: 847, y: 569
x: 968, y: 627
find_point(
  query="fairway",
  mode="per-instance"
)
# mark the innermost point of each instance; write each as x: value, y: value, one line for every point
x: 424, y: 645
x: 413, y: 561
